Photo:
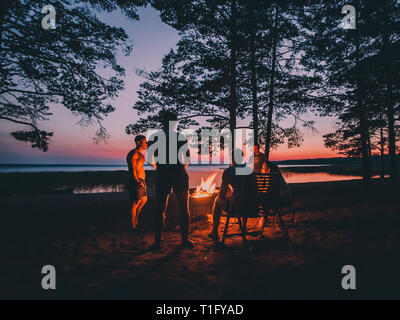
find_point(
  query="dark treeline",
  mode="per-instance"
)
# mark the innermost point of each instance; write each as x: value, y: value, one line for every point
x: 235, y: 60
x: 360, y: 72
x: 271, y: 61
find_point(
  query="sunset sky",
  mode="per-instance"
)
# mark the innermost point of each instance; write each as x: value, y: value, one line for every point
x: 72, y: 144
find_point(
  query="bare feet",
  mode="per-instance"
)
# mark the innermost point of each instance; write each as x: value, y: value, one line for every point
x: 136, y: 227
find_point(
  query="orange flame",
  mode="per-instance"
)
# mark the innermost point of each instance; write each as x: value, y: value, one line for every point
x: 205, y: 188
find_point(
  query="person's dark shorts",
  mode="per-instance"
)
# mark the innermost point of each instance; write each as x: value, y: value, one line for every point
x: 137, y: 190
x: 177, y: 179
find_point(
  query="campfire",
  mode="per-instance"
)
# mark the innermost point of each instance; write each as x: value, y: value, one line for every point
x: 202, y: 198
x: 205, y: 188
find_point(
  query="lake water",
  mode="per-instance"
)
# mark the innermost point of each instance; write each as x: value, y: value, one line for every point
x: 58, y: 168
x: 290, y: 177
x: 81, y: 168
x: 196, y: 174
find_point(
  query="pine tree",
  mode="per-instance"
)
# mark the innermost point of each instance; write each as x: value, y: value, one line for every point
x: 338, y: 56
x: 41, y: 67
x: 239, y: 84
x: 208, y: 57
x: 360, y: 68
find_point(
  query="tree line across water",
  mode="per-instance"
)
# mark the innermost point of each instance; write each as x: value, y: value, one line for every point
x: 267, y: 62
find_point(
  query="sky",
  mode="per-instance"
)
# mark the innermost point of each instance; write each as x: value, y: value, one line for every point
x: 73, y: 144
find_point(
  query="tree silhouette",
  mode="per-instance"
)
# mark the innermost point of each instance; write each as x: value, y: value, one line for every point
x: 384, y: 28
x: 285, y: 90
x: 206, y: 59
x: 338, y: 55
x: 43, y: 67
x: 360, y: 70
x: 223, y: 63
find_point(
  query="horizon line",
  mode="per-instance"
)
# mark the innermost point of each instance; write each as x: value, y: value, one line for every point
x: 204, y: 164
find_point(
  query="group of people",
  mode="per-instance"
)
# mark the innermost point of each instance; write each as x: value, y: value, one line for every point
x: 169, y: 174
x: 173, y: 175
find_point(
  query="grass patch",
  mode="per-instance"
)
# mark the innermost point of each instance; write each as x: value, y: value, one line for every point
x: 44, y: 182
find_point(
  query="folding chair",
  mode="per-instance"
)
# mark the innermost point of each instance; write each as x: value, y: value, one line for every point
x: 270, y: 204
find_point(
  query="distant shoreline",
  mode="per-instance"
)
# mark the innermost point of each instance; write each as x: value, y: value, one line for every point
x: 110, y: 168
x: 88, y: 165
x: 315, y: 161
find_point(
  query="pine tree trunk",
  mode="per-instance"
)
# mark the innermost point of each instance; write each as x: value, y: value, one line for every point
x: 271, y: 89
x: 363, y: 121
x: 390, y: 112
x: 369, y: 146
x: 233, y: 86
x: 254, y: 81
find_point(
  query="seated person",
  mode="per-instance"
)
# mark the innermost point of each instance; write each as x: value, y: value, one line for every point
x: 257, y: 160
x: 243, y: 193
x: 284, y: 192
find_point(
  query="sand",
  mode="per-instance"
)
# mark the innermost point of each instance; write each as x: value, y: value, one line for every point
x: 87, y: 237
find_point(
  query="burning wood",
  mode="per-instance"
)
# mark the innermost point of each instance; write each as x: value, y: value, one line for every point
x: 205, y: 188
x: 202, y: 199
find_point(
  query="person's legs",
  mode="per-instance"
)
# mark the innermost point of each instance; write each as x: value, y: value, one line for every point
x: 181, y: 190
x: 159, y: 218
x: 245, y: 223
x: 139, y: 208
x: 219, y: 205
x: 182, y: 198
x: 162, y: 192
x: 134, y: 203
x: 134, y: 210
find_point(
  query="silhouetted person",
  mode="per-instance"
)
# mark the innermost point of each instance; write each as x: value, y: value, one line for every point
x: 259, y: 164
x: 240, y: 189
x: 284, y: 192
x: 171, y: 174
x: 137, y: 184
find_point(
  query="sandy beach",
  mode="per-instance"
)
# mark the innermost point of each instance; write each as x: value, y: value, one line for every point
x: 87, y: 237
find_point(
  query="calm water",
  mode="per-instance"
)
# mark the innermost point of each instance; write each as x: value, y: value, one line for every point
x: 290, y: 177
x: 59, y: 168
x: 81, y: 168
x: 195, y: 178
x: 196, y: 173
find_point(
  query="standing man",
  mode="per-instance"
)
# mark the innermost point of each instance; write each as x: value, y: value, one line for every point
x: 137, y: 184
x: 171, y: 174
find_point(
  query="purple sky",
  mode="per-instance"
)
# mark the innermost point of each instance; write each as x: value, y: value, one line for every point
x: 72, y: 144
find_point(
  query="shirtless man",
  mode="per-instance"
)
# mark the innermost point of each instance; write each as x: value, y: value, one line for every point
x: 137, y: 184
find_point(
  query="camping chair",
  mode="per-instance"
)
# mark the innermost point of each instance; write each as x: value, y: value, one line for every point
x: 270, y: 204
